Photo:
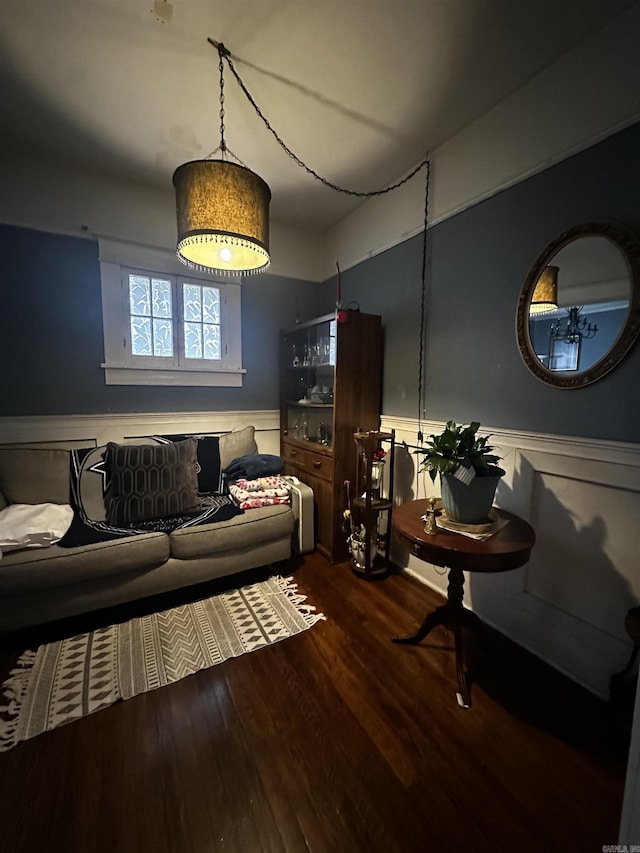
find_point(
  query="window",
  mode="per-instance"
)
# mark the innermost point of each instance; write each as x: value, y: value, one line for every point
x: 152, y: 319
x: 201, y: 307
x: 151, y: 315
x: 164, y: 326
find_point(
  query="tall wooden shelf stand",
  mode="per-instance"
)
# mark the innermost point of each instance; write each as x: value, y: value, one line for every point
x: 372, y: 503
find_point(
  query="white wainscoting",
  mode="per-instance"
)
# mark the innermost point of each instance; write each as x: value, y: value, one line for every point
x: 583, y: 499
x: 95, y: 430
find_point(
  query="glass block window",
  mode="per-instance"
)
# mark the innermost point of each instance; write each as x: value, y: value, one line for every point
x: 151, y: 316
x: 201, y: 308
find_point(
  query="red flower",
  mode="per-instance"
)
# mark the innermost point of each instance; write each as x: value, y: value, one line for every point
x: 379, y: 454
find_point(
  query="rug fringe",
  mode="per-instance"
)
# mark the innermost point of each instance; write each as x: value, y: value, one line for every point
x: 13, y: 691
x: 290, y: 588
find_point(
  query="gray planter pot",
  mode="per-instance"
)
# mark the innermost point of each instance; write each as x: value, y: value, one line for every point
x: 470, y: 504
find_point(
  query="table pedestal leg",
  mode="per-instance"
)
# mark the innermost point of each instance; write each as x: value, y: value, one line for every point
x: 456, y: 617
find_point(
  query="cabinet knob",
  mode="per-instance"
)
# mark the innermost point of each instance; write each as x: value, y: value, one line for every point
x: 317, y: 464
x: 293, y: 452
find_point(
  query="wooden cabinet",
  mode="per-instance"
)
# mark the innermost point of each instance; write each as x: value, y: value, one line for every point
x: 330, y: 389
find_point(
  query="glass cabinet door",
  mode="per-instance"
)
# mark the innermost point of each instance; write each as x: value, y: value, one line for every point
x: 310, y: 358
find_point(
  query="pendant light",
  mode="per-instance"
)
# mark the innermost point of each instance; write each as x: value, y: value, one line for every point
x: 545, y: 295
x: 223, y: 207
x: 222, y: 210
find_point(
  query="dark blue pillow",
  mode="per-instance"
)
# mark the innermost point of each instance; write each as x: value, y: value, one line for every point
x: 254, y: 465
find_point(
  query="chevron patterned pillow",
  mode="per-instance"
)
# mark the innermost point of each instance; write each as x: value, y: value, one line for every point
x: 151, y: 481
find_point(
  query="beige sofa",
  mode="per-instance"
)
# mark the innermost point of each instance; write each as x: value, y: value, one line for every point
x: 39, y: 585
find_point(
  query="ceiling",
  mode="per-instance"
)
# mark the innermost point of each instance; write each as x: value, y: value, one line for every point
x: 360, y: 90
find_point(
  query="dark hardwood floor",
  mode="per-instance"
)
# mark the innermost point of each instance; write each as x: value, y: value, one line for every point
x: 334, y: 740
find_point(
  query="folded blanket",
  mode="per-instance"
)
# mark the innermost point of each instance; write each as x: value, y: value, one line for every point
x: 263, y: 484
x: 265, y: 491
x: 254, y: 465
x: 254, y: 503
x: 33, y: 525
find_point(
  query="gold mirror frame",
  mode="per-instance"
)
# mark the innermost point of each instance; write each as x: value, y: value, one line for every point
x: 628, y: 243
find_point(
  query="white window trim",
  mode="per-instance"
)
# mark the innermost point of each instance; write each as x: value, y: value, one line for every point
x: 116, y: 258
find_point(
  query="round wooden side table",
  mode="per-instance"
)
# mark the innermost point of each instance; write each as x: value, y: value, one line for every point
x: 507, y: 549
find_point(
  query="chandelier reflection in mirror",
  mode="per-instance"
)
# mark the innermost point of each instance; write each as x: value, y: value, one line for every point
x: 574, y: 328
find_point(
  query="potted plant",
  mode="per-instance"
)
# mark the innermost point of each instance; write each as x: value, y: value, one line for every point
x: 468, y: 472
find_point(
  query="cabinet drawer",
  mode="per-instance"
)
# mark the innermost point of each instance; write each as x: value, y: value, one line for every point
x: 306, y: 460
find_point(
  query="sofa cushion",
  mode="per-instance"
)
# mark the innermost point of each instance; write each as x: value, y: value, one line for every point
x: 239, y: 443
x: 34, y: 475
x: 243, y: 532
x: 34, y: 570
x: 151, y: 481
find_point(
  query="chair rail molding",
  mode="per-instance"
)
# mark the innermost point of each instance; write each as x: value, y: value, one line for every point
x: 582, y: 496
x: 84, y: 430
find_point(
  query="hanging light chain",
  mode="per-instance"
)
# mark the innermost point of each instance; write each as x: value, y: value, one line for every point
x: 222, y: 148
x: 221, y: 52
x: 224, y: 54
x: 423, y: 305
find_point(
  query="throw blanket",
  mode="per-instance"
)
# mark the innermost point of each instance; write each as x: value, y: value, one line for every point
x: 254, y: 465
x: 33, y: 525
x: 263, y: 491
x: 90, y: 481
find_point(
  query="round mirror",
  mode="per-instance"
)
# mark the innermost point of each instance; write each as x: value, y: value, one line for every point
x: 579, y: 310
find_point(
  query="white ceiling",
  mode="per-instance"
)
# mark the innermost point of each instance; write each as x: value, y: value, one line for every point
x: 360, y: 90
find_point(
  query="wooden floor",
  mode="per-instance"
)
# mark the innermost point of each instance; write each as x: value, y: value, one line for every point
x: 334, y: 740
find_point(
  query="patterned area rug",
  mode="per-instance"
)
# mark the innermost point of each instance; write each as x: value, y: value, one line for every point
x: 71, y: 678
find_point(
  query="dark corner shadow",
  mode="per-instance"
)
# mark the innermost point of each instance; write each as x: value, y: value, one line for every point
x: 15, y: 642
x: 546, y: 699
x: 534, y: 690
x: 320, y: 98
x: 404, y: 474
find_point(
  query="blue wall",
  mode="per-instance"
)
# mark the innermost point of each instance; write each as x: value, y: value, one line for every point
x: 51, y: 327
x: 51, y: 338
x: 477, y: 264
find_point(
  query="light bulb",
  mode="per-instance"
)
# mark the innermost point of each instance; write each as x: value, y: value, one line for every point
x: 225, y: 254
